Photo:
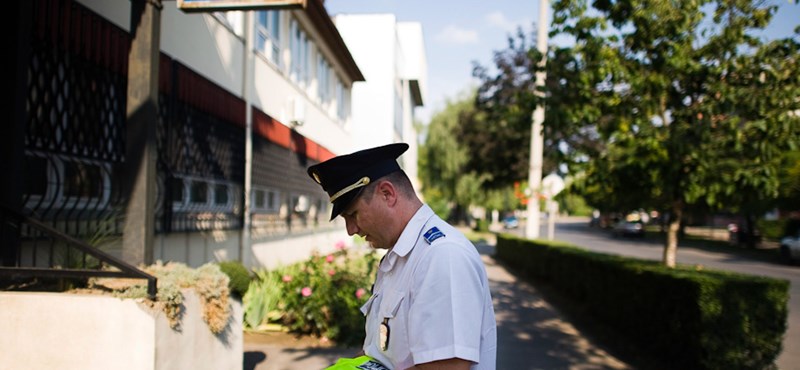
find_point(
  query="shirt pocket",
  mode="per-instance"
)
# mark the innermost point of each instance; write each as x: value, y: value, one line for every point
x: 392, y: 311
x: 365, y: 309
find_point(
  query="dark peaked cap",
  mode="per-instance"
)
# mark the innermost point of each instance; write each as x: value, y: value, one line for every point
x: 344, y: 177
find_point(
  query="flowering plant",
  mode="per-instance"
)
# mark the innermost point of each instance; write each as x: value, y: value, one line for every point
x: 320, y: 296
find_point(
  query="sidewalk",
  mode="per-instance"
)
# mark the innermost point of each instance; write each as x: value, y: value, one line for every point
x: 531, y: 334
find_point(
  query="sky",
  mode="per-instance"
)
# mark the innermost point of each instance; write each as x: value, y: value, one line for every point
x: 460, y: 32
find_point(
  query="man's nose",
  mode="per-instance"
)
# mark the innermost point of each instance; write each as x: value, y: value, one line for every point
x: 351, y: 227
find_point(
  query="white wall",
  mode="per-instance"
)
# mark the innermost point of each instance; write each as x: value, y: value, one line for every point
x: 371, y: 41
x: 390, y: 54
x: 197, y: 248
x: 284, y: 252
x: 86, y: 332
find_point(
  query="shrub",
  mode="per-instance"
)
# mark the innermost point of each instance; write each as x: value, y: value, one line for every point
x: 320, y: 296
x: 689, y: 316
x: 210, y: 283
x: 239, y: 277
x: 771, y: 229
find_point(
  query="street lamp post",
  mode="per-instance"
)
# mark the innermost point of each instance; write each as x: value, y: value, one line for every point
x: 537, y: 138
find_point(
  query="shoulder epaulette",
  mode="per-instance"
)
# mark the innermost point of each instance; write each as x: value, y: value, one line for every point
x: 433, y: 234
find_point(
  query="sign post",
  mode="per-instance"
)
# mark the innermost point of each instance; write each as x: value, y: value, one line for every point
x: 552, y: 184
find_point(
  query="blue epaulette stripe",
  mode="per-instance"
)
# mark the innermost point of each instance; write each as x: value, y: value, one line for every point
x: 433, y: 234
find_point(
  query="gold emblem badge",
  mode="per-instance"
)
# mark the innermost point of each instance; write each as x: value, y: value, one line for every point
x: 383, y: 335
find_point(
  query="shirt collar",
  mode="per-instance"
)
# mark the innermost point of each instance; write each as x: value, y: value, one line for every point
x: 408, y: 238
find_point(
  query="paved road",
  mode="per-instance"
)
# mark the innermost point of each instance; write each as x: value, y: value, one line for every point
x: 577, y: 231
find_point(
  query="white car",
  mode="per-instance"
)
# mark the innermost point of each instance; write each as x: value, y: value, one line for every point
x: 790, y: 248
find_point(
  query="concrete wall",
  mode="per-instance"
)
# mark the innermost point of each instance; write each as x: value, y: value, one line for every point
x: 272, y: 254
x: 86, y: 332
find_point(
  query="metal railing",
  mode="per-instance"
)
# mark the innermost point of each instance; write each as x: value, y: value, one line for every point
x: 44, y: 252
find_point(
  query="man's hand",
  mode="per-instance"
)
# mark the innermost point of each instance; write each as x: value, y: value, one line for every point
x: 449, y: 364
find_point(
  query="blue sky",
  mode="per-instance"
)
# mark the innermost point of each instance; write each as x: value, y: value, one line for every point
x: 460, y: 32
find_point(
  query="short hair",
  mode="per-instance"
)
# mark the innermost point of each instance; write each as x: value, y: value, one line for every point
x: 400, y: 181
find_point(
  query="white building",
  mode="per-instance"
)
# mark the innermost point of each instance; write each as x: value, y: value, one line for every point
x: 247, y: 101
x: 391, y: 55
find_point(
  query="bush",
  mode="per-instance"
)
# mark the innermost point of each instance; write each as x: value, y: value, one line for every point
x: 239, y: 277
x: 771, y: 229
x: 481, y: 225
x: 320, y: 296
x: 689, y: 317
x: 210, y: 283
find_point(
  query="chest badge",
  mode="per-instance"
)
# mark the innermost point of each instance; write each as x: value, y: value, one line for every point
x: 433, y: 234
x: 383, y: 334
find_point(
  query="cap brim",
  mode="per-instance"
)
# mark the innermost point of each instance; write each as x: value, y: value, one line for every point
x: 344, y: 201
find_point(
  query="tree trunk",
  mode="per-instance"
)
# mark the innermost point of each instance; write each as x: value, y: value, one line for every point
x: 671, y: 247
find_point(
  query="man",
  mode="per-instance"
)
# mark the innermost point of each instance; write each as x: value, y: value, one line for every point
x: 430, y: 307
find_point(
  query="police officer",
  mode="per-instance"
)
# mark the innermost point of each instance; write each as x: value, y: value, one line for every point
x: 430, y: 307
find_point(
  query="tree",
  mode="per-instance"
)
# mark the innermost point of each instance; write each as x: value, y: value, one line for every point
x: 500, y: 142
x: 443, y: 161
x: 675, y: 112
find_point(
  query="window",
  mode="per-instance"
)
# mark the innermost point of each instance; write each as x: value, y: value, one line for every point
x: 268, y: 37
x: 342, y: 101
x: 301, y: 54
x: 221, y: 196
x: 265, y: 200
x: 199, y: 194
x: 61, y: 180
x: 323, y: 79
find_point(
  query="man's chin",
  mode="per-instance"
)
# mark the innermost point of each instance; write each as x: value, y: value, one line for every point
x: 373, y: 245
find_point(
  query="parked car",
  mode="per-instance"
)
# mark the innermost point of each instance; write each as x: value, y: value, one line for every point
x: 510, y: 222
x: 628, y: 228
x: 790, y: 248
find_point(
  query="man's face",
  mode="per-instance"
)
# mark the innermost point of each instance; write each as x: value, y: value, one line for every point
x: 367, y: 218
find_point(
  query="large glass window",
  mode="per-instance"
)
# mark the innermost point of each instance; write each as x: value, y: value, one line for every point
x: 342, y: 101
x: 268, y: 37
x: 323, y: 79
x: 301, y: 54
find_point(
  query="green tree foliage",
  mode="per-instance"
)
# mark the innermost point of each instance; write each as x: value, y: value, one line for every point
x: 500, y: 141
x: 448, y: 184
x: 789, y: 198
x: 665, y: 106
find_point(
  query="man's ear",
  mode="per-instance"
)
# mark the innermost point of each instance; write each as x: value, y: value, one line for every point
x: 387, y: 192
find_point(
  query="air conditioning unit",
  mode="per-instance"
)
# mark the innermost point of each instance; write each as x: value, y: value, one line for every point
x: 297, y: 111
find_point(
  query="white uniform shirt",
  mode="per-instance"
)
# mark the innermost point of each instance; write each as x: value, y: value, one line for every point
x: 433, y: 293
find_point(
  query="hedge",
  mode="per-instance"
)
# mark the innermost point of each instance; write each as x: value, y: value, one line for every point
x: 688, y: 317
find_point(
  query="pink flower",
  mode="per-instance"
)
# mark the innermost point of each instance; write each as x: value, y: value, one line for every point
x: 287, y: 278
x: 360, y: 293
x: 331, y: 272
x: 340, y: 245
x: 306, y: 292
x: 329, y: 258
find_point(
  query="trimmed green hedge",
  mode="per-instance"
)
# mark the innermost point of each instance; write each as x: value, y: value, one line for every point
x: 481, y: 225
x: 688, y: 317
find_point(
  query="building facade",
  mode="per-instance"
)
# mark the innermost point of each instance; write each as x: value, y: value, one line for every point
x: 246, y: 102
x: 392, y: 57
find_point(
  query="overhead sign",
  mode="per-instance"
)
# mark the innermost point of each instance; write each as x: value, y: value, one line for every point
x: 225, y: 5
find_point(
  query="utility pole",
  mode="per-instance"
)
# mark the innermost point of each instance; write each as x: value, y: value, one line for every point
x: 537, y: 138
